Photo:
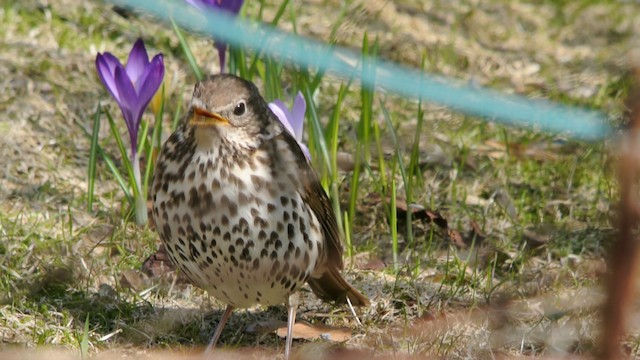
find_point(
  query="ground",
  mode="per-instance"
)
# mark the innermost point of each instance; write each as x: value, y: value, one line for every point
x: 540, y: 207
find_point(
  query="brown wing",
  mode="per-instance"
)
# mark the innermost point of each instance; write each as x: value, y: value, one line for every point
x: 313, y: 194
x: 330, y: 285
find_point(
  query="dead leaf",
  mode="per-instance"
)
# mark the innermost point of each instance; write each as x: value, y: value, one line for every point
x: 535, y: 240
x: 418, y: 212
x: 475, y: 235
x: 456, y: 239
x: 374, y: 264
x: 158, y: 263
x: 432, y: 154
x: 503, y: 199
x: 303, y: 330
x: 131, y: 279
x: 366, y: 261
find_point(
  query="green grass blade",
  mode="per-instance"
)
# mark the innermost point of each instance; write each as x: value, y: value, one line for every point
x: 260, y: 11
x: 294, y: 25
x: 111, y: 166
x: 279, y: 13
x: 347, y: 236
x: 142, y: 143
x: 118, y: 176
x: 271, y: 79
x: 238, y: 63
x: 403, y: 170
x: 317, y: 128
x: 355, y: 180
x: 123, y: 152
x: 364, y: 126
x: 382, y: 168
x: 187, y: 51
x: 414, y: 163
x: 367, y: 95
x: 84, y: 343
x: 331, y: 137
x: 316, y: 80
x: 256, y: 58
x: 333, y: 130
x: 393, y: 223
x: 93, y: 151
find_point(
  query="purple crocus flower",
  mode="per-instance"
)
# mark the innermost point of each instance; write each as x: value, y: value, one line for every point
x: 231, y: 7
x: 133, y: 85
x: 293, y: 120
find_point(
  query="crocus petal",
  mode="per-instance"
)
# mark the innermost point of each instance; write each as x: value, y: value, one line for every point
x: 131, y: 112
x: 289, y: 120
x: 297, y: 115
x: 232, y: 6
x: 151, y: 82
x: 137, y: 63
x: 305, y: 150
x: 283, y: 114
x: 106, y: 66
x: 196, y: 3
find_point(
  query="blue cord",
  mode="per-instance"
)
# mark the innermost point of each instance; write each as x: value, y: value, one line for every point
x: 490, y: 104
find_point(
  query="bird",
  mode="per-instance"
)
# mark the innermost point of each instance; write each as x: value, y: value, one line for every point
x: 240, y: 209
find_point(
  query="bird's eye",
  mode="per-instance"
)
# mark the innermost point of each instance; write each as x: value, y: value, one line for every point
x: 240, y: 109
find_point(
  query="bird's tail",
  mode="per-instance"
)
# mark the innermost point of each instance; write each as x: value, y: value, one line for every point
x: 333, y: 287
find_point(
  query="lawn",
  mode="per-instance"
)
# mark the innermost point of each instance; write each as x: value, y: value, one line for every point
x: 510, y: 226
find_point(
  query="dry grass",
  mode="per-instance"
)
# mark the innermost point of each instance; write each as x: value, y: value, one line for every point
x: 61, y: 264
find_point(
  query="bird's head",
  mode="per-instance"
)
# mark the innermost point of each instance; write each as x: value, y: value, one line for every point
x: 228, y: 109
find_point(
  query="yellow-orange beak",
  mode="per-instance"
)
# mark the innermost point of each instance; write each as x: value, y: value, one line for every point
x: 202, y: 117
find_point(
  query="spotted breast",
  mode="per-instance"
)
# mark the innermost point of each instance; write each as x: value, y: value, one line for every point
x: 235, y: 223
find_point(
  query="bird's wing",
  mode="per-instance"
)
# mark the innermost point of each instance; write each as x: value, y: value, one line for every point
x: 316, y: 198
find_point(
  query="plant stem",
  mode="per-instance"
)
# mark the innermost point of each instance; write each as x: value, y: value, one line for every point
x: 141, y: 204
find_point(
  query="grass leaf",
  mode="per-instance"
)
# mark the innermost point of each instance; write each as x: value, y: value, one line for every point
x: 84, y: 343
x: 93, y: 150
x: 187, y: 51
x: 123, y: 152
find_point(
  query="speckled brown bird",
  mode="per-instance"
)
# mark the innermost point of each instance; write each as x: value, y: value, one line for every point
x: 240, y: 209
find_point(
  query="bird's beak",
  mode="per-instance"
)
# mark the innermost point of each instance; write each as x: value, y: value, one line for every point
x: 202, y: 117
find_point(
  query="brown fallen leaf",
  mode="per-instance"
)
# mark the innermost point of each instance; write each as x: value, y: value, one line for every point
x: 131, y: 279
x: 375, y: 264
x: 456, y: 239
x: 303, y: 330
x: 475, y: 234
x: 366, y: 261
x: 418, y: 212
x: 535, y: 240
x: 505, y: 202
x: 159, y: 266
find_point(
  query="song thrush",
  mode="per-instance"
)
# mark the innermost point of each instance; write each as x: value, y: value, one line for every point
x: 240, y: 209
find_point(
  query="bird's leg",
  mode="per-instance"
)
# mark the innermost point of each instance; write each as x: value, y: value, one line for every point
x: 216, y: 334
x: 292, y: 306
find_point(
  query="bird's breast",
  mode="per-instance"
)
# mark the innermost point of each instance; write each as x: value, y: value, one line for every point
x: 237, y: 227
